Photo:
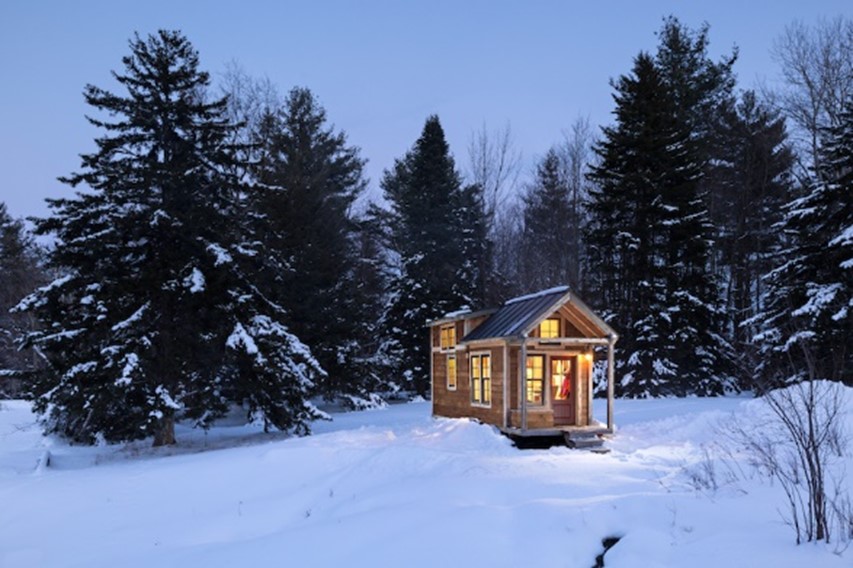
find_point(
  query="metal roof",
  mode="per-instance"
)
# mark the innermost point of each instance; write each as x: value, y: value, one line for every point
x: 516, y: 315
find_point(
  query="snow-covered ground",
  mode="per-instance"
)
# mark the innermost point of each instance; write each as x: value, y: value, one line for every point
x: 392, y: 487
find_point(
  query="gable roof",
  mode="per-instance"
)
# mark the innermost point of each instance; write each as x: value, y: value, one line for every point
x: 519, y: 316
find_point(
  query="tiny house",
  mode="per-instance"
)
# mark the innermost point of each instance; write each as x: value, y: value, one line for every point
x: 525, y: 367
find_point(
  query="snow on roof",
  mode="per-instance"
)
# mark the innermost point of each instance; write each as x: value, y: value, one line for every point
x: 456, y: 314
x: 548, y: 292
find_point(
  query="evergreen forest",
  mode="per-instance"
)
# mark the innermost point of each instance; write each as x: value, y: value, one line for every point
x: 221, y: 248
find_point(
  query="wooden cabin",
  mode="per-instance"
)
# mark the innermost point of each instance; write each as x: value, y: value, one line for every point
x: 525, y: 367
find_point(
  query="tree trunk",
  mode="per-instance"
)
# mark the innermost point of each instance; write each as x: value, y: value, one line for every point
x: 165, y: 435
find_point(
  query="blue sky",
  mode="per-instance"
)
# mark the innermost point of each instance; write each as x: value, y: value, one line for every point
x: 379, y: 67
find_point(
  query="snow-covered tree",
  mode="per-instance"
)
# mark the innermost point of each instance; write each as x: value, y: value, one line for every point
x: 548, y: 258
x: 156, y: 316
x: 807, y: 325
x: 435, y: 228
x: 751, y: 180
x: 308, y: 179
x: 20, y: 273
x: 648, y: 243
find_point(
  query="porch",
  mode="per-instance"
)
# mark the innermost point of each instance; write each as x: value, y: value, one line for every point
x: 577, y: 437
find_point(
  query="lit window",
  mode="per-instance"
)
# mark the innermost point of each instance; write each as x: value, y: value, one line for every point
x: 481, y: 379
x: 448, y: 337
x: 535, y: 379
x: 549, y: 328
x: 451, y: 372
x: 561, y: 379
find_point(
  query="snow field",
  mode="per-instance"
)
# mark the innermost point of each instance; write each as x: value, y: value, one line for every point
x: 390, y: 487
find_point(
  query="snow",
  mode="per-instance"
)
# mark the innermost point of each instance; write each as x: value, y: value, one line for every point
x: 37, y: 297
x: 819, y: 296
x: 195, y: 281
x: 457, y: 313
x: 553, y: 290
x: 134, y: 317
x: 391, y: 486
x: 240, y: 338
x: 131, y: 363
x: 221, y: 255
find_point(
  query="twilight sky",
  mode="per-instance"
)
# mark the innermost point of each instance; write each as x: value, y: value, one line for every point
x: 379, y: 67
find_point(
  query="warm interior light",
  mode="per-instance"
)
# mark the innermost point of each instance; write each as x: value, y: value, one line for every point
x: 588, y: 357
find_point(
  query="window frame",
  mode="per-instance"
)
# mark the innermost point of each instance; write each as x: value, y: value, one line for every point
x: 444, y: 339
x: 543, y: 391
x: 455, y: 385
x: 559, y: 322
x: 479, y: 380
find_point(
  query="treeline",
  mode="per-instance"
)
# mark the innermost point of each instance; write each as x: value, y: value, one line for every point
x: 222, y: 253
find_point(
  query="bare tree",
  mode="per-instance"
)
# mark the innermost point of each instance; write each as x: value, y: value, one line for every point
x: 576, y: 154
x: 800, y: 441
x: 507, y: 259
x: 494, y: 164
x: 251, y: 101
x: 817, y: 69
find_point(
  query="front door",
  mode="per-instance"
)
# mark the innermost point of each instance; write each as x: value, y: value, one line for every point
x: 563, y: 387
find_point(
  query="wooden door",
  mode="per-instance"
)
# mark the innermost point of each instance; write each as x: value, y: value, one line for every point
x: 563, y: 389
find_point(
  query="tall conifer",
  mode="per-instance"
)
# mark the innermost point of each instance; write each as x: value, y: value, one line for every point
x: 156, y: 317
x: 648, y: 243
x: 308, y: 179
x: 548, y: 227
x: 434, y: 227
x: 808, y: 320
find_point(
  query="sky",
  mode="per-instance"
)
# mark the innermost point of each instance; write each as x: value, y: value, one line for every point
x: 379, y: 67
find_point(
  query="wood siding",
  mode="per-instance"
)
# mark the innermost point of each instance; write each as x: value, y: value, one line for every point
x: 457, y: 404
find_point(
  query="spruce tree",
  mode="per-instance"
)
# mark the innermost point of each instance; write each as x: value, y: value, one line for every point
x: 808, y: 320
x: 156, y: 316
x: 20, y: 273
x: 647, y: 243
x: 548, y: 227
x: 699, y: 87
x: 433, y: 228
x: 751, y: 177
x: 308, y: 179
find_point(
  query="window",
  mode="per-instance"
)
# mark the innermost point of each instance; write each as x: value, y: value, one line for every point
x: 561, y: 378
x: 549, y: 328
x: 448, y: 337
x: 481, y: 379
x: 535, y: 379
x: 451, y: 372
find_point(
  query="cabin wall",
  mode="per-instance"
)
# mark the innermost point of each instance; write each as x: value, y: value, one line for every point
x: 457, y: 403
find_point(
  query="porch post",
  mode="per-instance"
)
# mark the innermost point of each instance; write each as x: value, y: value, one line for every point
x: 507, y: 378
x: 610, y: 378
x: 522, y: 365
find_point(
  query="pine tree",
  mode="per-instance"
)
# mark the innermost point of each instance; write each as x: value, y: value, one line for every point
x: 309, y: 178
x: 156, y: 317
x: 20, y: 273
x: 647, y: 243
x: 433, y: 227
x: 548, y: 227
x: 751, y: 177
x: 699, y: 87
x: 808, y: 320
